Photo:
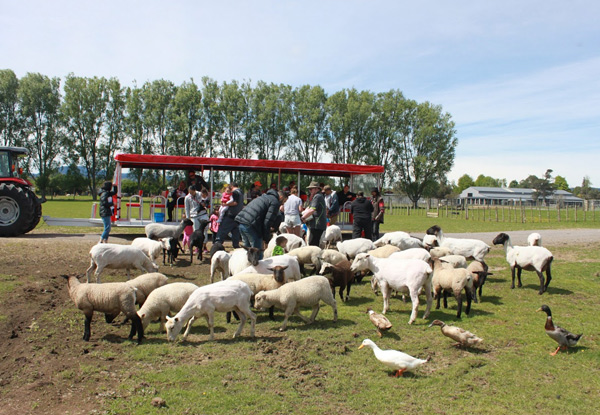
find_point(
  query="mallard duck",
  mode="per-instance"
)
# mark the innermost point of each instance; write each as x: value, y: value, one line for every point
x: 398, y: 361
x: 380, y: 321
x: 563, y: 337
x: 463, y: 337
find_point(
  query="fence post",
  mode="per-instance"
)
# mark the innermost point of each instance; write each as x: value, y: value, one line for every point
x: 558, y: 211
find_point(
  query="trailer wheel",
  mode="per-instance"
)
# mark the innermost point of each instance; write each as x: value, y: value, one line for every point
x: 37, y: 211
x: 17, y: 210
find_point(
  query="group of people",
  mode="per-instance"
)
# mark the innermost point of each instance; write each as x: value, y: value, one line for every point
x: 254, y: 222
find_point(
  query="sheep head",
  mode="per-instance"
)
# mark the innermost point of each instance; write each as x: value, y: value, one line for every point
x: 501, y: 239
x: 253, y: 254
x: 434, y: 230
x: 360, y: 263
x: 173, y: 326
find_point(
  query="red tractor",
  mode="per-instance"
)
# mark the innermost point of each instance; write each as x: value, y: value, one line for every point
x: 20, y: 208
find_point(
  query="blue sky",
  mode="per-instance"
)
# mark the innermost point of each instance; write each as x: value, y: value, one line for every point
x: 521, y: 79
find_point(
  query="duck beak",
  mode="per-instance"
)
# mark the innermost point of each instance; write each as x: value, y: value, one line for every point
x: 430, y: 325
x: 539, y: 309
x: 361, y: 346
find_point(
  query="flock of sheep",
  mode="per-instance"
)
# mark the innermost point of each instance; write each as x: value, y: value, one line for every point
x: 398, y: 262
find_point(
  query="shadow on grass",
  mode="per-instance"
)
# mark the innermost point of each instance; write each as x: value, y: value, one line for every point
x: 355, y: 301
x: 491, y: 279
x: 448, y: 315
x: 550, y: 290
x: 494, y: 299
x: 295, y: 323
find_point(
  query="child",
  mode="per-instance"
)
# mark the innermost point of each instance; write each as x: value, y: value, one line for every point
x: 187, y: 232
x: 280, y: 242
x: 214, y: 223
x: 227, y: 192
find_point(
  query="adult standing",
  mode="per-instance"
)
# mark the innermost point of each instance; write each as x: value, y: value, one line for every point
x: 291, y: 210
x: 378, y: 211
x: 195, y: 207
x: 106, y: 209
x: 180, y: 191
x: 258, y: 219
x: 195, y: 180
x: 362, y: 209
x: 228, y: 224
x: 316, y: 210
x: 332, y: 204
x: 345, y: 195
x: 254, y: 191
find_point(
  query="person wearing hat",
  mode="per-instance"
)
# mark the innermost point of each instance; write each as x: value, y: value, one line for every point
x: 316, y: 212
x: 254, y: 191
x: 362, y: 210
x: 378, y: 210
x: 332, y: 204
x: 197, y: 181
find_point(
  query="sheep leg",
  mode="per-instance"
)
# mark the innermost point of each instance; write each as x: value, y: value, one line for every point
x: 291, y: 309
x: 542, y: 287
x: 458, y: 302
x: 97, y: 273
x: 474, y: 294
x: 348, y: 290
x: 512, y: 273
x: 333, y: 304
x: 445, y: 294
x: 428, y: 297
x: 341, y: 293
x: 468, y: 295
x: 188, y: 327
x: 414, y: 296
x: 315, y: 311
x: 136, y: 326
x: 272, y: 312
x: 243, y: 319
x: 89, y: 271
x: 438, y: 297
x: 248, y: 313
x: 519, y: 271
x: 87, y: 331
x: 548, y: 276
x: 386, y: 291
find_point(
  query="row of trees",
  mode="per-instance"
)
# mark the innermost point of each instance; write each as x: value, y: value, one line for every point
x: 90, y: 119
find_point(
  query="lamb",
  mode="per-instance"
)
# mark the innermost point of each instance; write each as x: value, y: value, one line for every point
x: 469, y: 248
x: 401, y: 275
x: 479, y: 275
x: 534, y: 239
x: 197, y: 241
x: 293, y: 242
x: 332, y: 235
x: 528, y: 258
x: 243, y: 258
x: 353, y: 247
x: 341, y: 276
x: 263, y: 282
x: 264, y: 266
x: 167, y: 299
x: 400, y: 239
x: 145, y: 284
x: 307, y: 292
x: 412, y: 253
x: 308, y: 255
x: 110, y: 299
x: 384, y: 251
x: 118, y: 257
x: 222, y: 296
x: 453, y: 261
x: 160, y: 230
x: 452, y: 279
x: 219, y: 263
x: 152, y: 248
x: 438, y: 251
x: 332, y: 256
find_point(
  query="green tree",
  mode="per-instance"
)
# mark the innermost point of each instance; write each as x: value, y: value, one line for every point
x: 114, y: 126
x: 187, y: 121
x: 427, y: 148
x: 465, y: 181
x: 9, y: 100
x: 486, y: 181
x: 158, y: 97
x: 138, y: 139
x: 560, y: 183
x: 39, y: 104
x: 308, y: 124
x: 271, y: 105
x: 213, y: 122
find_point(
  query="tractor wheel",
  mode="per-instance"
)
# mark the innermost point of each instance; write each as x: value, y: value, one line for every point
x: 37, y: 215
x: 17, y: 210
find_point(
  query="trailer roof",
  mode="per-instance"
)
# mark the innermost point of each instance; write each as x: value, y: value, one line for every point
x: 163, y: 162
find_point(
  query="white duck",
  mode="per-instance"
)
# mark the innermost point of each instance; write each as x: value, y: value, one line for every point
x: 398, y: 361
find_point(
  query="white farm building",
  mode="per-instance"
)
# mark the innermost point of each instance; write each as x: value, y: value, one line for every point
x: 508, y: 196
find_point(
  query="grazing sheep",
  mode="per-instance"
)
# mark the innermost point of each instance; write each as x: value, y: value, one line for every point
x: 262, y: 282
x: 330, y: 237
x: 479, y: 273
x: 118, y: 257
x: 353, y: 247
x: 528, y: 258
x: 400, y: 239
x: 332, y: 256
x: 156, y: 230
x: 145, y: 284
x: 152, y: 248
x: 447, y: 279
x: 412, y: 253
x: 197, y: 241
x: 293, y: 242
x: 264, y: 266
x: 243, y: 258
x: 219, y: 263
x: 401, y: 275
x: 307, y: 292
x: 110, y: 299
x: 222, y: 296
x: 308, y: 255
x: 384, y: 251
x: 164, y: 300
x: 469, y: 248
x: 534, y: 239
x: 341, y: 276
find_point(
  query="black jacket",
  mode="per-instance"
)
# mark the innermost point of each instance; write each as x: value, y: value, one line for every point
x: 105, y: 204
x: 361, y: 208
x: 262, y: 214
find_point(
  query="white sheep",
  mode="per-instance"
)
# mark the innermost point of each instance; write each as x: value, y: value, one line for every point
x: 453, y: 261
x: 384, y: 251
x: 222, y: 296
x: 400, y: 239
x: 429, y: 241
x: 219, y: 263
x: 264, y: 266
x: 332, y: 256
x: 528, y: 258
x: 156, y: 230
x: 110, y: 299
x: 480, y: 274
x: 330, y: 237
x: 353, y: 247
x: 412, y: 253
x: 534, y: 239
x: 167, y: 299
x: 438, y: 251
x: 451, y: 279
x: 308, y: 255
x: 145, y: 284
x: 388, y: 236
x: 243, y: 258
x: 293, y: 242
x: 153, y: 249
x: 401, y: 275
x: 307, y: 292
x: 469, y: 248
x: 118, y: 257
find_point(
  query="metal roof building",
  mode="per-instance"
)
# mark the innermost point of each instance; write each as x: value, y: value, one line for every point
x: 504, y: 196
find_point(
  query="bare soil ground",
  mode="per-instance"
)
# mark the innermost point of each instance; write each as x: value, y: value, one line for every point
x: 45, y: 367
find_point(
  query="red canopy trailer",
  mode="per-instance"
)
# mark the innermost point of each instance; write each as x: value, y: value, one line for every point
x: 211, y: 164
